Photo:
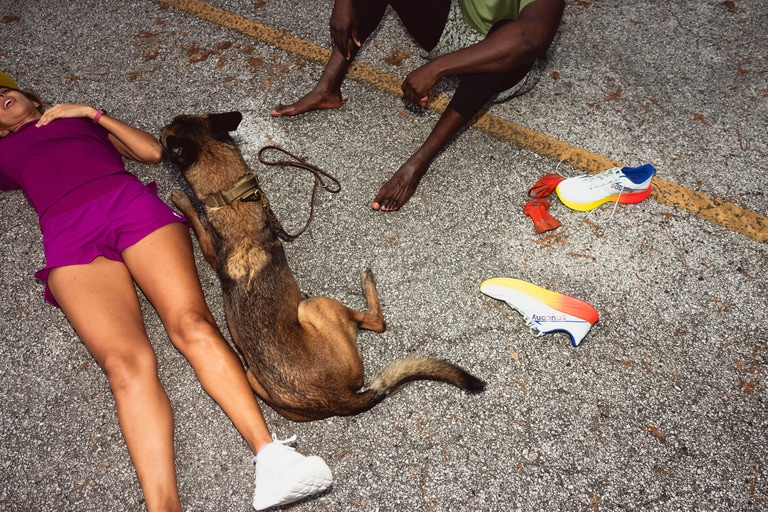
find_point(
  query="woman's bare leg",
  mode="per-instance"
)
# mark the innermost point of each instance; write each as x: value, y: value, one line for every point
x: 100, y: 301
x: 163, y: 266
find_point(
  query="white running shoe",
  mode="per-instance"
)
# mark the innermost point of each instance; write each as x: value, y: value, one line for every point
x: 283, y: 475
x: 626, y: 185
x: 543, y: 310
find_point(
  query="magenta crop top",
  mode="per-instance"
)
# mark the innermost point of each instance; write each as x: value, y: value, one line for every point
x: 61, y: 165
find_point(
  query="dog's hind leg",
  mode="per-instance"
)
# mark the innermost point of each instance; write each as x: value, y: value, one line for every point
x: 256, y: 385
x: 288, y: 413
x: 372, y: 319
x: 183, y: 203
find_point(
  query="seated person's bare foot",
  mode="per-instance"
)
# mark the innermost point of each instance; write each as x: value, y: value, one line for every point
x: 314, y: 100
x: 400, y: 187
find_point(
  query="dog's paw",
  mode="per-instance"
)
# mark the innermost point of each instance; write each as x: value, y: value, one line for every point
x: 181, y: 200
x: 368, y: 276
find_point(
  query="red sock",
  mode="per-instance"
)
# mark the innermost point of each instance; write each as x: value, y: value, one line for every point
x: 542, y: 220
x: 545, y: 186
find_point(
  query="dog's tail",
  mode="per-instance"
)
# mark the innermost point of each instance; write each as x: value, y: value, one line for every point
x: 415, y: 368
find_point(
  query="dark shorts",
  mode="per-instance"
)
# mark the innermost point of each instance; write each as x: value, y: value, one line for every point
x: 104, y: 226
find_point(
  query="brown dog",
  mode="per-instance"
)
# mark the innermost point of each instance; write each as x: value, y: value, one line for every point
x: 302, y: 355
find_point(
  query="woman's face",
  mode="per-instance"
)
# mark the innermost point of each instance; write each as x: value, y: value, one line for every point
x: 15, y: 110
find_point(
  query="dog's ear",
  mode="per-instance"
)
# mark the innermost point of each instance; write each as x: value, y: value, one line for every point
x: 225, y: 122
x: 182, y: 151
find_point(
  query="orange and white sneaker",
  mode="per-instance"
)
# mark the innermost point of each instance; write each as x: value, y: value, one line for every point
x: 544, y: 311
x: 626, y: 185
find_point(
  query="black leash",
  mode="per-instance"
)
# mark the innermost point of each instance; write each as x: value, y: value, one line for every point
x: 320, y: 180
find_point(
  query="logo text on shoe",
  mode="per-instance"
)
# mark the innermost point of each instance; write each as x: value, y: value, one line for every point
x: 549, y: 318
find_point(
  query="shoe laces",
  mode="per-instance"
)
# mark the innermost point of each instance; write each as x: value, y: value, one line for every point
x: 528, y: 319
x: 607, y: 177
x: 616, y: 203
x: 288, y: 441
x: 284, y: 442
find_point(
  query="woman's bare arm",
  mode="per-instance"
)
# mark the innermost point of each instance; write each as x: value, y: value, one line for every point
x: 131, y: 142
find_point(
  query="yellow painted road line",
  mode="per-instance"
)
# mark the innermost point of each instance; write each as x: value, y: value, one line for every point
x: 716, y: 211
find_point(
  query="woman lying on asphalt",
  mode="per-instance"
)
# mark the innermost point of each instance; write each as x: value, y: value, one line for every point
x: 103, y: 231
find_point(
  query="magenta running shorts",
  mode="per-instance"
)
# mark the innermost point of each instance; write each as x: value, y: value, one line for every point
x: 103, y: 226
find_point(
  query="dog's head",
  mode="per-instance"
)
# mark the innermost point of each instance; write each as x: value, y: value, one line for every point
x: 186, y: 137
x: 203, y: 150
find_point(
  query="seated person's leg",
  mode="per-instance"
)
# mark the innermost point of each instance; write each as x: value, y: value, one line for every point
x: 423, y: 19
x: 476, y: 90
x: 369, y: 14
x: 326, y: 94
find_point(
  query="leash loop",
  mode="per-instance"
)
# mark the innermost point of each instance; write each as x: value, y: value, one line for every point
x: 319, y: 180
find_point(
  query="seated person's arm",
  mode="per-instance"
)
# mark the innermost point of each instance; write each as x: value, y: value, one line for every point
x: 344, y: 27
x: 512, y: 45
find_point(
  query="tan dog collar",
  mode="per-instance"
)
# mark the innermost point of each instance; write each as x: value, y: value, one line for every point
x: 244, y: 189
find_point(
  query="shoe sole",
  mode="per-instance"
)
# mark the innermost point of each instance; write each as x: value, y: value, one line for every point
x: 296, y: 493
x: 623, y: 198
x: 579, y: 311
x: 304, y: 489
x: 298, y: 496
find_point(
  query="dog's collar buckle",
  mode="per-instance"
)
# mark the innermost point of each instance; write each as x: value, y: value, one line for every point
x: 244, y: 189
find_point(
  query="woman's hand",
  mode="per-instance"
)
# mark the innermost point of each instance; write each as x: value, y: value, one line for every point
x: 344, y: 27
x: 66, y: 110
x: 131, y: 142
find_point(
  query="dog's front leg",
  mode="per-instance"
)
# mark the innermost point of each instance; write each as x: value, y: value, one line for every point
x: 183, y: 203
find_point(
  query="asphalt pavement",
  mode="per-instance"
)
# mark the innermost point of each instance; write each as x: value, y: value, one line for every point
x: 662, y: 407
